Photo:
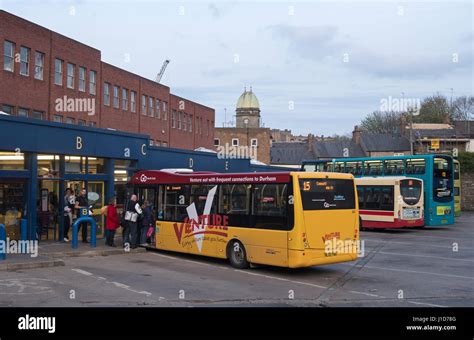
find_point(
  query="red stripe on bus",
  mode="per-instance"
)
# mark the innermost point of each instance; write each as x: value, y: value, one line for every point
x: 376, y: 213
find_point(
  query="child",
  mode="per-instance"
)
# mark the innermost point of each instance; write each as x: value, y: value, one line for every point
x: 111, y: 222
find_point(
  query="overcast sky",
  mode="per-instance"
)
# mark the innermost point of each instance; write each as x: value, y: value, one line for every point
x: 316, y: 66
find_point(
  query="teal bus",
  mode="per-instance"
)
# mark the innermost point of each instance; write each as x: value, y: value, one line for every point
x: 436, y: 171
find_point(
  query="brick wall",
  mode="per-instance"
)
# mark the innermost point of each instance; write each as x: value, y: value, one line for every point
x: 20, y: 91
x: 467, y: 191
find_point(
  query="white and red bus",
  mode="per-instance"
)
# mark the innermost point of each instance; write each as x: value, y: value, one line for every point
x: 390, y: 202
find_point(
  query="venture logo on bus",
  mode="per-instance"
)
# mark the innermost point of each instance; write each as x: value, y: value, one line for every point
x: 198, y: 226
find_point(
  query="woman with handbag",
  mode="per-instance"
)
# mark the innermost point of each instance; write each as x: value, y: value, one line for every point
x: 111, y: 221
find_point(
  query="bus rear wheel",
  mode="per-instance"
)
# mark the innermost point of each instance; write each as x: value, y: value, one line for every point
x: 237, y: 255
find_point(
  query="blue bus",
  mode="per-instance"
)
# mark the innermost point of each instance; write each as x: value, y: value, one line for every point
x: 436, y: 171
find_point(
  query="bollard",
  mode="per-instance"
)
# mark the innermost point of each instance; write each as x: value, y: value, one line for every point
x: 75, y: 227
x: 3, y: 238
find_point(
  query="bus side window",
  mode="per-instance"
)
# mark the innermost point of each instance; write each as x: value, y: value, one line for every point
x: 234, y: 200
x: 360, y: 194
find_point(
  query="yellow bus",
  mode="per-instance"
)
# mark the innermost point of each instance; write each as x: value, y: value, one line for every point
x: 457, y: 188
x: 390, y: 202
x: 286, y: 219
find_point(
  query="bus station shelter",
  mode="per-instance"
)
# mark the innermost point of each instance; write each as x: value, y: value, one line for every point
x: 40, y: 159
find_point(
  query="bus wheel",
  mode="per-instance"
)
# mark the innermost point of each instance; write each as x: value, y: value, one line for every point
x: 237, y: 255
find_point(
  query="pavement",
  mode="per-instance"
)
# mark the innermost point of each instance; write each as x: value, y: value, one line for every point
x: 52, y: 254
x: 425, y: 267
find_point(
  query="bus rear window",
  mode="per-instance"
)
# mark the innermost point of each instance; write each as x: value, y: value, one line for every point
x: 327, y: 194
x: 410, y: 191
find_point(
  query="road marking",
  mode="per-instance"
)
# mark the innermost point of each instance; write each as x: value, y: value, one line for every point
x: 83, y: 272
x: 124, y: 286
x: 425, y: 303
x: 429, y: 256
x: 190, y: 261
x: 280, y: 279
x: 117, y: 284
x: 367, y: 294
x: 408, y: 271
x: 389, y: 241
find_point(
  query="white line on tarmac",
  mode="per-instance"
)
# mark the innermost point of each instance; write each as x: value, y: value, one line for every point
x: 83, y: 272
x: 367, y: 294
x: 280, y: 279
x: 415, y: 243
x: 190, y: 261
x: 428, y: 256
x: 422, y: 236
x: 300, y: 282
x: 117, y: 284
x: 408, y: 271
x: 425, y: 303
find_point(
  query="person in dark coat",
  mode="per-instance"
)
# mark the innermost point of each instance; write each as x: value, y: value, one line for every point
x: 147, y: 221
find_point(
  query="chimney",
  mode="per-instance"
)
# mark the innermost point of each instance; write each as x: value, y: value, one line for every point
x: 310, y: 141
x: 356, y: 135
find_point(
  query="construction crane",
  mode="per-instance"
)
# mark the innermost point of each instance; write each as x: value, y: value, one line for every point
x: 162, y: 71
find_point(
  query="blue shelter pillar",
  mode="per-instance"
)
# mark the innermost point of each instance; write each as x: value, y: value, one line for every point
x: 31, y: 162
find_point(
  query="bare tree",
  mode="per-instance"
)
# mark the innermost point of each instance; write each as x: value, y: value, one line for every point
x: 382, y: 122
x: 463, y: 108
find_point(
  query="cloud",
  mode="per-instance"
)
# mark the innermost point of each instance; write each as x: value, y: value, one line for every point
x: 329, y: 45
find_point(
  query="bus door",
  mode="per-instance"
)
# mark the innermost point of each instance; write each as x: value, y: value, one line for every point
x: 329, y: 212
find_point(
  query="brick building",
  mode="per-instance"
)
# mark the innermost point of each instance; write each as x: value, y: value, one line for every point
x: 248, y: 138
x: 45, y: 75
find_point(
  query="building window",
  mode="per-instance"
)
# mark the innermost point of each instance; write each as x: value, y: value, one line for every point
x: 37, y: 115
x: 82, y: 79
x: 179, y: 120
x: 8, y: 53
x: 23, y: 112
x: 107, y: 94
x: 217, y: 142
x: 81, y: 122
x: 70, y: 120
x: 165, y: 115
x: 58, y: 72
x: 70, y: 76
x: 254, y: 142
x: 124, y: 99
x: 24, y: 60
x: 173, y: 118
x: 58, y: 118
x: 235, y: 142
x: 190, y: 119
x: 39, y: 65
x: 143, y: 104
x: 116, y: 96
x: 185, y: 128
x: 133, y: 103
x: 7, y: 109
x: 165, y: 107
x: 151, y: 110
x: 197, y: 124
x: 158, y: 108
x: 92, y: 82
x: 92, y: 124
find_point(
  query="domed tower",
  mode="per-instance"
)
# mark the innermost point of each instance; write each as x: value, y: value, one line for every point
x: 247, y: 110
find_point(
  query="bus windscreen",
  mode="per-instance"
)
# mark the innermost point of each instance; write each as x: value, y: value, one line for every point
x: 411, y: 191
x: 327, y: 194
